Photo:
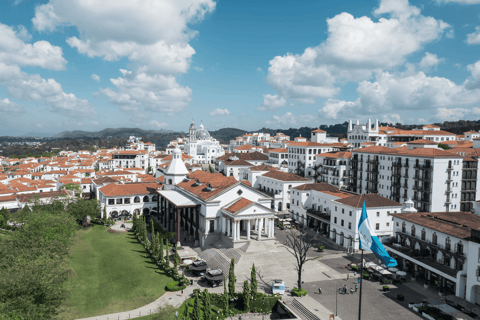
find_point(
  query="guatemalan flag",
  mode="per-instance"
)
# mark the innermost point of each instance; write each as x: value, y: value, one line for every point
x: 369, y: 241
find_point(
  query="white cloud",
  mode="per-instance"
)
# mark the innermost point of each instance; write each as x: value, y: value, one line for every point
x: 95, y: 123
x: 392, y: 118
x: 95, y: 77
x: 22, y: 33
x: 219, y: 112
x: 8, y: 107
x: 354, y: 49
x: 152, y: 34
x: 272, y: 102
x: 474, y: 37
x: 289, y: 119
x: 14, y: 51
x: 430, y: 60
x: 159, y: 125
x: 454, y: 114
x: 198, y: 68
x: 334, y: 108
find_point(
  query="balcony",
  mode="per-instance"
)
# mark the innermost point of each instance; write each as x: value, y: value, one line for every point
x: 374, y: 161
x: 325, y: 215
x: 449, y: 169
x: 397, y: 165
x: 372, y: 169
x: 405, y: 185
x: 449, y: 190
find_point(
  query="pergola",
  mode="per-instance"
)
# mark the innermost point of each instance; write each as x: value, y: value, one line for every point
x: 177, y: 210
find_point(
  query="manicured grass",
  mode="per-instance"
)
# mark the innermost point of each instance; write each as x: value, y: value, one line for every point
x: 111, y: 274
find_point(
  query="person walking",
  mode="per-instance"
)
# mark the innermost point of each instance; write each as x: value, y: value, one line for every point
x: 356, y: 287
x: 351, y: 290
x: 358, y: 280
x: 182, y: 292
x: 345, y: 289
x: 354, y: 274
x: 320, y: 290
x: 348, y: 276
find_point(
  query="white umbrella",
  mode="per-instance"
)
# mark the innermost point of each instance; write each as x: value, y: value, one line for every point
x: 393, y: 269
x: 401, y: 273
x: 187, y: 261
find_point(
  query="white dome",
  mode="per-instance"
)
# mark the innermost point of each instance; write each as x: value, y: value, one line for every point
x: 202, y: 134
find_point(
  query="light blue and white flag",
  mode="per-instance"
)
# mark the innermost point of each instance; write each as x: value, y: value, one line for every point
x: 369, y: 241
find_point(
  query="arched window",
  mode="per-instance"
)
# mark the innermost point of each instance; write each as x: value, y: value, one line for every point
x: 424, y: 234
x: 459, y: 248
x: 404, y: 227
x: 146, y: 199
x: 136, y: 199
x: 434, y: 238
x: 413, y: 231
x: 448, y: 243
x: 155, y: 198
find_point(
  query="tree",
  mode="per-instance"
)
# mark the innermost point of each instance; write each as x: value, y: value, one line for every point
x: 83, y: 208
x: 246, y: 295
x: 300, y: 169
x: 211, y: 169
x: 160, y: 257
x: 176, y: 257
x: 196, y: 308
x: 72, y: 187
x: 134, y: 222
x: 443, y: 146
x: 144, y: 232
x: 253, y: 284
x: 298, y: 245
x: 231, y: 278
x: 206, y: 305
x: 225, y: 294
x: 5, y: 214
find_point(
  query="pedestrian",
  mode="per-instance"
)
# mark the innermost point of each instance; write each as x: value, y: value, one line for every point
x: 354, y: 273
x: 358, y: 280
x: 235, y: 279
x: 348, y: 276
x: 319, y: 290
x: 351, y: 290
x: 182, y: 292
x: 356, y: 287
x: 345, y: 289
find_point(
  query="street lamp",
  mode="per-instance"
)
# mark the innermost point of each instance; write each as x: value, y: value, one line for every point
x: 336, y: 302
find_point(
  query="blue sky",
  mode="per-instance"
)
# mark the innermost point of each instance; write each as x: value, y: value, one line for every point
x: 90, y: 65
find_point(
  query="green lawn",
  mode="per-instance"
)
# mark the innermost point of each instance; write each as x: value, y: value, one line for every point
x: 111, y: 274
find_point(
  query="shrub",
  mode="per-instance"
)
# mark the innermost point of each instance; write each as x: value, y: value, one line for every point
x: 320, y: 248
x: 299, y: 293
x: 173, y: 286
x: 354, y: 268
x: 386, y: 288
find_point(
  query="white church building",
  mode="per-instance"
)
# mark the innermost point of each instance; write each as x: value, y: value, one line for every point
x: 201, y: 146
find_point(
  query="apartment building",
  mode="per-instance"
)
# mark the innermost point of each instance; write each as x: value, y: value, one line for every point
x: 129, y: 159
x: 302, y: 155
x: 333, y: 168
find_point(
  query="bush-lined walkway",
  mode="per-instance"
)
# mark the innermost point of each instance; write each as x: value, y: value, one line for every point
x: 113, y: 274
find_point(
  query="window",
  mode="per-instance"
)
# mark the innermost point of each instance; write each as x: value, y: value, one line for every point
x: 341, y: 223
x: 111, y: 201
x: 335, y: 220
x: 377, y: 226
x: 350, y: 213
x: 424, y: 234
x: 119, y: 201
x: 126, y: 201
x: 378, y: 214
x: 343, y: 210
x: 434, y: 238
x: 350, y: 227
x: 413, y: 231
x: 335, y: 208
x: 388, y: 224
x: 448, y: 244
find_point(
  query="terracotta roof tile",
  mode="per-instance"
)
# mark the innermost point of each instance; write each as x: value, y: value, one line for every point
x: 262, y: 167
x: 25, y: 197
x: 372, y: 200
x: 422, y: 141
x: 114, y: 189
x: 238, y: 205
x: 216, y: 180
x: 339, y: 154
x: 284, y: 176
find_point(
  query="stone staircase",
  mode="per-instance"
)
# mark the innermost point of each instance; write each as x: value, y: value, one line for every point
x: 244, y: 248
x: 218, y: 258
x: 303, y: 312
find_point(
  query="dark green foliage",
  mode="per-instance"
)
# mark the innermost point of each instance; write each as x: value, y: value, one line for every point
x: 443, y: 146
x: 175, y: 286
x: 211, y: 169
x: 225, y: 294
x: 206, y: 305
x: 4, y: 217
x: 231, y: 278
x: 32, y: 285
x: 134, y: 222
x: 176, y: 257
x: 253, y: 285
x: 246, y: 295
x: 83, y: 208
x: 299, y: 292
x: 196, y: 308
x: 160, y: 256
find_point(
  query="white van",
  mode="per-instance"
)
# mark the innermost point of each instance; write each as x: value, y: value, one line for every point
x: 278, y: 286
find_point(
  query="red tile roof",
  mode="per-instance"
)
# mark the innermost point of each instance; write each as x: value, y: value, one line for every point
x: 238, y: 205
x: 218, y: 182
x: 284, y: 176
x: 128, y: 189
x: 244, y: 147
x: 372, y: 200
x: 422, y: 141
x: 339, y: 154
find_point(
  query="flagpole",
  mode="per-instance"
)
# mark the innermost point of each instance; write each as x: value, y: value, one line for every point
x: 361, y: 280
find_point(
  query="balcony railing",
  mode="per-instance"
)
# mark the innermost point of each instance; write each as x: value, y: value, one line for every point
x: 397, y: 165
x: 372, y: 161
x: 320, y: 214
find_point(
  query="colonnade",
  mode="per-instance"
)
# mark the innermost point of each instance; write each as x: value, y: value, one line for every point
x: 232, y: 227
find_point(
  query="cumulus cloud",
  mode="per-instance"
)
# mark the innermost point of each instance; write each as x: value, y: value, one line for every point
x: 430, y: 60
x: 474, y: 38
x: 219, y: 112
x: 454, y: 114
x: 272, y: 102
x: 461, y: 1
x: 159, y: 125
x: 392, y: 118
x: 198, y: 68
x: 14, y: 50
x: 289, y: 119
x: 354, y: 50
x: 152, y: 34
x: 95, y: 77
x: 412, y: 91
x: 9, y: 107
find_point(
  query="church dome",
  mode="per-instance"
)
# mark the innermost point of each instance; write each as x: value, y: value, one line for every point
x: 202, y: 134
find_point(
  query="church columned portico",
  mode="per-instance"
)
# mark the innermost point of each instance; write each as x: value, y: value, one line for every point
x: 241, y: 228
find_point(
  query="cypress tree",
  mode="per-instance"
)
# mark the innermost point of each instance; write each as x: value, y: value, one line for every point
x: 176, y: 257
x: 253, y: 285
x: 196, y: 308
x: 206, y: 305
x: 246, y: 295
x: 135, y: 221
x: 160, y: 257
x: 225, y: 294
x: 231, y: 278
x: 145, y: 234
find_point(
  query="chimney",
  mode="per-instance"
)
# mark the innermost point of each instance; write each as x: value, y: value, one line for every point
x: 357, y: 123
x: 369, y: 125
x: 350, y: 125
x: 376, y: 125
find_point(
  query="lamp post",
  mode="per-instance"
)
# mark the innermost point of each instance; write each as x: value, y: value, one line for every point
x: 336, y: 302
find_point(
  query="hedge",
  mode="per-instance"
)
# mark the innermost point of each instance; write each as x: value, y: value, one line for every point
x: 354, y: 268
x: 173, y: 286
x: 163, y: 234
x: 299, y: 293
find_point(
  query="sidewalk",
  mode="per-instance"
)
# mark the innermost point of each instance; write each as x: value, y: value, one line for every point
x: 313, y: 306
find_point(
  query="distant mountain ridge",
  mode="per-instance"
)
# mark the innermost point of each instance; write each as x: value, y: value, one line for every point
x: 109, y: 132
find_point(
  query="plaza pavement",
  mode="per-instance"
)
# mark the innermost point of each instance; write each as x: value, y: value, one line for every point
x: 273, y: 261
